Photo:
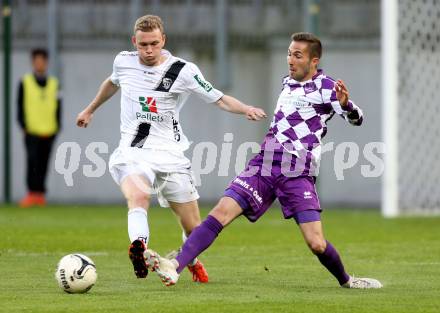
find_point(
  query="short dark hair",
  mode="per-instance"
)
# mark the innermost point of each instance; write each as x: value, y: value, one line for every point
x: 39, y: 52
x: 315, y: 47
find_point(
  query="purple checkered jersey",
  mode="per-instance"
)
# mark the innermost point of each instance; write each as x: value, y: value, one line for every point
x: 300, y: 122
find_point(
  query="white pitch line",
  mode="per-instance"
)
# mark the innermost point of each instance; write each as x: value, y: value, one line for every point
x: 46, y: 253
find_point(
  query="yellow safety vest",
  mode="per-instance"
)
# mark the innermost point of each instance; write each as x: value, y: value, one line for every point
x: 40, y: 106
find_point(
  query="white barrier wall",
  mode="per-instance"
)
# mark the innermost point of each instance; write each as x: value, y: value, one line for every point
x: 255, y: 79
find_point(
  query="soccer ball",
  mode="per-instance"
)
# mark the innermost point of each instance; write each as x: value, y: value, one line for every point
x: 76, y: 273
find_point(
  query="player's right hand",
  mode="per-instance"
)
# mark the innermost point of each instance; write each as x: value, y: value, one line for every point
x: 341, y: 92
x: 255, y: 114
x: 83, y: 119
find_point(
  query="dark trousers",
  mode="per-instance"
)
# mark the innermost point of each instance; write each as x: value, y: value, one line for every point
x: 38, y: 153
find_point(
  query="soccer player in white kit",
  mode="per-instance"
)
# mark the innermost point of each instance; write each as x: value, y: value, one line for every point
x: 150, y: 157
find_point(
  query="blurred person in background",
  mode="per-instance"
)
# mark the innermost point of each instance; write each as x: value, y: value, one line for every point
x: 39, y: 111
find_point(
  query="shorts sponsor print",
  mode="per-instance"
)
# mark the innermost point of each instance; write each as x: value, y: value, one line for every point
x: 255, y: 192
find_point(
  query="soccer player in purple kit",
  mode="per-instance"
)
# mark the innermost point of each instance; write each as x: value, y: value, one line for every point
x: 285, y: 168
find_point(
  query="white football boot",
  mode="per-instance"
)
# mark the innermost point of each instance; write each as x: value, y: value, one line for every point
x: 172, y: 254
x: 165, y: 268
x: 362, y: 283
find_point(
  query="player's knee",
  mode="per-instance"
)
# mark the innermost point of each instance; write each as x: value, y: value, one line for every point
x: 221, y: 213
x: 138, y: 198
x: 317, y: 246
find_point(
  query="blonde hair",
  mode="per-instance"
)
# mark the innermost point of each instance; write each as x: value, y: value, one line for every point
x: 148, y: 23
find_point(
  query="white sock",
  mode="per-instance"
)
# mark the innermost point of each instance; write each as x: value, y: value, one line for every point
x: 138, y: 225
x: 184, y: 238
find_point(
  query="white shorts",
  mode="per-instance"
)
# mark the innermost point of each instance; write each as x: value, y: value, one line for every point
x: 169, y: 172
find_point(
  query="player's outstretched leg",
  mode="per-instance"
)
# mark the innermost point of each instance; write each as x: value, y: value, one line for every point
x: 195, y: 267
x: 331, y: 260
x: 136, y: 255
x: 204, y: 235
x: 199, y: 240
x: 311, y: 229
x: 362, y: 283
x: 164, y: 268
x: 188, y: 214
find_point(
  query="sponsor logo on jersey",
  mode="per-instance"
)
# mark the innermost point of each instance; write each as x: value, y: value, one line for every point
x: 309, y: 87
x: 149, y: 117
x: 166, y: 82
x: 176, y: 130
x: 148, y: 104
x: 298, y: 102
x: 205, y: 85
x: 307, y: 195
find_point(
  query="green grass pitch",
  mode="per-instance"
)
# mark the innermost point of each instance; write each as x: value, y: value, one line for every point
x: 262, y: 267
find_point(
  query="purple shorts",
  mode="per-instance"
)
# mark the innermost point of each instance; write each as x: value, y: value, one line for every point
x: 255, y: 190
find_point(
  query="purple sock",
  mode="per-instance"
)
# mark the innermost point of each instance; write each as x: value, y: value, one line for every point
x: 331, y: 260
x: 200, y: 239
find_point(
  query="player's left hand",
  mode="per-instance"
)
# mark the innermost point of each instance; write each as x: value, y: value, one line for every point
x: 341, y: 92
x: 255, y: 114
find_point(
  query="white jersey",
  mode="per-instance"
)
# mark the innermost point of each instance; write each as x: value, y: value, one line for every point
x: 152, y: 96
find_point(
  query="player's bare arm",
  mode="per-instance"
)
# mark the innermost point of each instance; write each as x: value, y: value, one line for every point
x: 105, y: 92
x: 234, y: 105
x: 341, y: 92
